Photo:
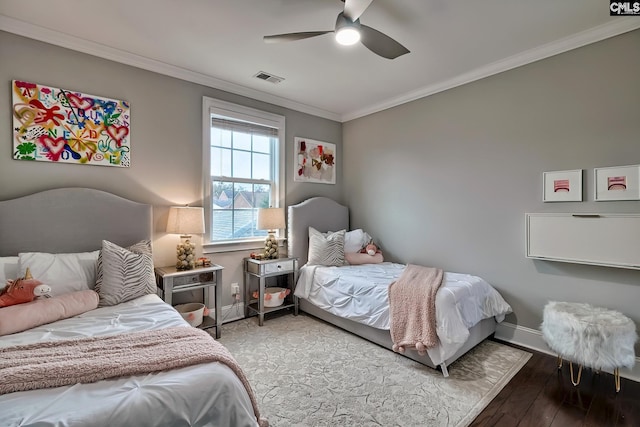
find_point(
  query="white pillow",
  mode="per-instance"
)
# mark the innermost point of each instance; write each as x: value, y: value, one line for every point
x: 63, y: 272
x: 355, y: 240
x: 326, y: 248
x: 8, y: 269
x: 124, y: 273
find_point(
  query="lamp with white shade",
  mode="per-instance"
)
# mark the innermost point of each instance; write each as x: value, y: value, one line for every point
x: 185, y: 220
x: 271, y: 219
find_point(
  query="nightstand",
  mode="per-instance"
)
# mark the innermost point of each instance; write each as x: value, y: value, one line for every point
x: 263, y: 269
x: 171, y: 280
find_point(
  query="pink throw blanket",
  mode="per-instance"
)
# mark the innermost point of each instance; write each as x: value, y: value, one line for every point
x: 87, y: 360
x: 412, y: 308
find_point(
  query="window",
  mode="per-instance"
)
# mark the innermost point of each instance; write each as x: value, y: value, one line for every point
x: 243, y: 152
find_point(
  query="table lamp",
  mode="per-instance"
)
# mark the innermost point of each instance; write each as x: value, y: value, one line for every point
x: 185, y: 220
x: 270, y: 219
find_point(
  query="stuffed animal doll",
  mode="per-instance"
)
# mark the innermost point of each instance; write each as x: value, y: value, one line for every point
x: 21, y: 290
x: 371, y: 249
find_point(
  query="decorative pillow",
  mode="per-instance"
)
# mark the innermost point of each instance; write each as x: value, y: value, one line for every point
x: 355, y: 240
x: 8, y: 269
x: 326, y: 249
x: 64, y: 273
x: 358, y: 258
x: 18, y: 318
x: 124, y: 273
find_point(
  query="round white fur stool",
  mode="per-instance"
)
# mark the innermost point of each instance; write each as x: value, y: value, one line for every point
x: 595, y: 337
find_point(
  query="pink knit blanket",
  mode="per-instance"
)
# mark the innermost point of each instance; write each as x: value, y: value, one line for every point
x: 87, y: 360
x: 412, y: 308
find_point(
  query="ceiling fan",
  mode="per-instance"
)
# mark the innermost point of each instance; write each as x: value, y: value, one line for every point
x: 349, y: 30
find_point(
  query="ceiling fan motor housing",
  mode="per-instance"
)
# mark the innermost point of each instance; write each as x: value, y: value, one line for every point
x: 342, y: 22
x: 347, y: 32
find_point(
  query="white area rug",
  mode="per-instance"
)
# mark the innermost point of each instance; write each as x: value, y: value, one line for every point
x: 309, y: 373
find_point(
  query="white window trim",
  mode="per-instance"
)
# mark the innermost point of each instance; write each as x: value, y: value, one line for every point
x: 227, y: 109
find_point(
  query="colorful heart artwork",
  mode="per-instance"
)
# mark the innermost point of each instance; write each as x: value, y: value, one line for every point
x: 79, y: 102
x: 118, y: 133
x: 54, y: 147
x: 59, y: 125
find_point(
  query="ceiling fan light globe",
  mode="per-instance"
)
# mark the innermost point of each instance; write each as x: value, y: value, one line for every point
x: 347, y: 36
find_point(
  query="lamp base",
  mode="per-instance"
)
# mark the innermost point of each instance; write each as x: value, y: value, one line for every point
x: 271, y: 247
x: 186, y: 255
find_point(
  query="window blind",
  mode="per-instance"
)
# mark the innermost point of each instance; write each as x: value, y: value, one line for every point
x: 245, y: 127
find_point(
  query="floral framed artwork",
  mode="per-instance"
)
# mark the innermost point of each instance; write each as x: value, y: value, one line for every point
x: 562, y: 186
x: 58, y: 125
x: 617, y: 183
x: 315, y: 161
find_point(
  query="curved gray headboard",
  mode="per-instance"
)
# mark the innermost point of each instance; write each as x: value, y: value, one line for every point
x: 71, y: 220
x: 321, y: 213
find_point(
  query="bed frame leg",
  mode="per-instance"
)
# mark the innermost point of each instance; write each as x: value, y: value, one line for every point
x: 445, y: 371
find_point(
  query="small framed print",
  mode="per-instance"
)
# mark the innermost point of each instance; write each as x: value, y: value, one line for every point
x: 562, y: 186
x: 617, y: 183
x: 315, y: 161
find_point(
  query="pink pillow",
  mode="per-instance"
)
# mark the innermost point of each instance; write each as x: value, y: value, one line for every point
x: 357, y: 258
x: 18, y: 318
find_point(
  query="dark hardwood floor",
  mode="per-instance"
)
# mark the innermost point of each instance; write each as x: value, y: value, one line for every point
x: 542, y: 395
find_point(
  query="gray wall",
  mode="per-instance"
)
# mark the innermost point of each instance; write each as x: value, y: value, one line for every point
x: 166, y: 137
x: 446, y: 180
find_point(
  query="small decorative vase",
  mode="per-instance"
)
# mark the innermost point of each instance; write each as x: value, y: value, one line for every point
x: 186, y: 254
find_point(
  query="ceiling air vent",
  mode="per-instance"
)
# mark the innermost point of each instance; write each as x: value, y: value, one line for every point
x: 268, y: 77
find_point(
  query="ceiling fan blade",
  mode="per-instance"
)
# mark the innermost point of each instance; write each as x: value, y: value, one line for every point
x: 381, y: 44
x: 290, y: 37
x: 354, y: 8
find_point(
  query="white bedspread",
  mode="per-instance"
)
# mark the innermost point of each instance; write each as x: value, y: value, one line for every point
x: 359, y: 293
x: 201, y: 395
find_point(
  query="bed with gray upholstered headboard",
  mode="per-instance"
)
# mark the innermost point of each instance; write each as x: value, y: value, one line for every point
x: 326, y: 215
x: 71, y: 220
x: 60, y: 234
x: 321, y: 213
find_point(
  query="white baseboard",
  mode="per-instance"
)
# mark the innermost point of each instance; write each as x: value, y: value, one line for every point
x: 532, y: 338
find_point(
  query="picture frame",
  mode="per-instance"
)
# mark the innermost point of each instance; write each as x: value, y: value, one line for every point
x: 617, y: 183
x: 314, y: 161
x: 58, y: 125
x: 562, y: 186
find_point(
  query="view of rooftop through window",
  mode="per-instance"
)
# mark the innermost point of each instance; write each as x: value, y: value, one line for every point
x: 242, y: 174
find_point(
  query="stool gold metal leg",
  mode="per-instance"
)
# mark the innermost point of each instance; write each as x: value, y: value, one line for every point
x: 616, y: 377
x: 577, y: 381
x: 559, y: 362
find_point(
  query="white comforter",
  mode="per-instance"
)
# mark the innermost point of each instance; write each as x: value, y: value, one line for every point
x: 202, y: 395
x: 360, y: 293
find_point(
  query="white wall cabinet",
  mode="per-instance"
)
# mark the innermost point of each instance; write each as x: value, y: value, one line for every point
x: 611, y: 240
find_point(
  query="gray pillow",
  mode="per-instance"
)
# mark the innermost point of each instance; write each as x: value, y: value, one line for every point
x: 124, y: 273
x: 326, y: 248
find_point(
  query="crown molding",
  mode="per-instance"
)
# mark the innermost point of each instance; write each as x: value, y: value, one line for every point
x: 57, y: 38
x: 619, y: 26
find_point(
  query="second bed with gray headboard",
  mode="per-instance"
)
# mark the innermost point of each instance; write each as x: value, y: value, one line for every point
x: 324, y: 215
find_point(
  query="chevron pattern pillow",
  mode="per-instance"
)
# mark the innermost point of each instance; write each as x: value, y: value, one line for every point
x: 326, y: 248
x: 124, y: 273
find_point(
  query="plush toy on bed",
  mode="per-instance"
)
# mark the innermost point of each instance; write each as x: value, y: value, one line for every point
x: 359, y: 248
x: 23, y: 289
x: 371, y: 249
